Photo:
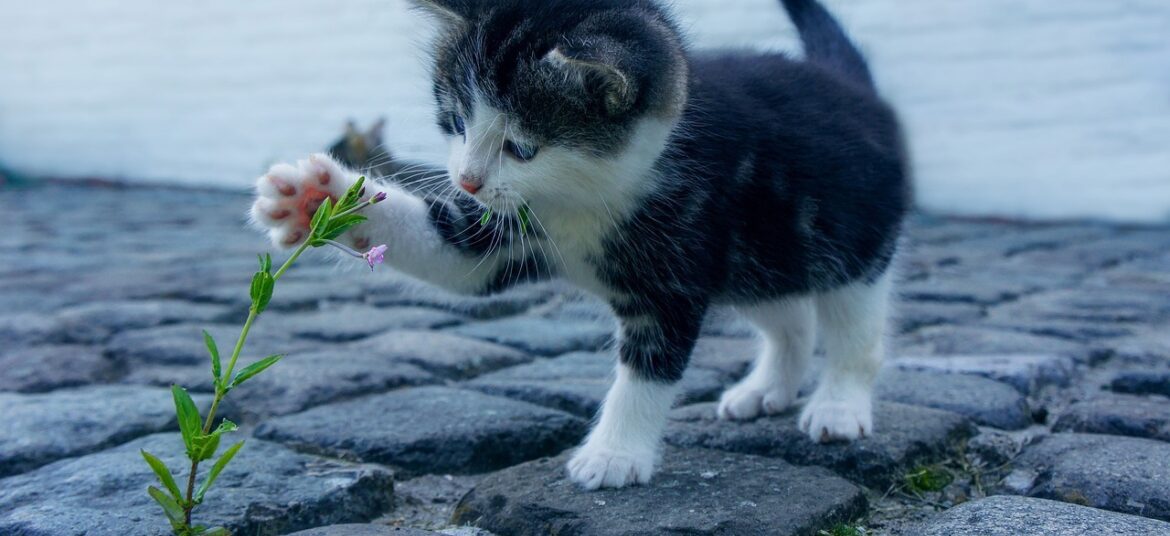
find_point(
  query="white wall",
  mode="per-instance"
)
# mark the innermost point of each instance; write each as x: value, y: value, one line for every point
x: 1045, y: 108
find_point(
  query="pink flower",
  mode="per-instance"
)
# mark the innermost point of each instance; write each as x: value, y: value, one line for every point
x: 374, y: 256
x: 378, y: 198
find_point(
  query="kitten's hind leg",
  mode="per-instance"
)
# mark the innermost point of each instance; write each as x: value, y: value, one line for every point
x: 789, y: 331
x: 852, y: 321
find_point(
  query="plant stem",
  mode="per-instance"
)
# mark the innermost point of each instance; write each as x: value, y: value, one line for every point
x: 356, y: 208
x: 288, y: 264
x: 345, y: 249
x: 220, y: 392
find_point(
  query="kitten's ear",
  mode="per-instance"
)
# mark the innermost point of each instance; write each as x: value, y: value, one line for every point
x: 597, y: 68
x: 351, y: 128
x: 378, y: 126
x: 375, y: 132
x: 448, y: 11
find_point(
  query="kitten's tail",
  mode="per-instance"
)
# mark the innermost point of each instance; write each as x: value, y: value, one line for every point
x: 825, y: 43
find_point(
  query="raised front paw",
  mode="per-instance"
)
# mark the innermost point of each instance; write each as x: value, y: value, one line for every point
x: 595, y: 467
x: 288, y: 196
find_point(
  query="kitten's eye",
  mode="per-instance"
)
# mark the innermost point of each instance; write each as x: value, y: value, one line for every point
x: 522, y: 153
x: 458, y: 125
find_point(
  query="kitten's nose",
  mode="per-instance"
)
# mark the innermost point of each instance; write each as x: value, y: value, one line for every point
x: 470, y: 183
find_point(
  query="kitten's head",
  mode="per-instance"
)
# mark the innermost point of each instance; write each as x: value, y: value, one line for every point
x: 562, y: 101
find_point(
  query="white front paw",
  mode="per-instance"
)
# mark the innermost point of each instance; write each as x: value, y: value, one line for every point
x: 749, y: 398
x: 834, y: 418
x: 596, y: 467
x: 288, y: 196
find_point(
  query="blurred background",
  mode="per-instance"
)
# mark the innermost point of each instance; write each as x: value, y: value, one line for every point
x: 1018, y: 108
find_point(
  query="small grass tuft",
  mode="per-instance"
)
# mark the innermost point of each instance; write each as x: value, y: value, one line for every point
x: 927, y: 479
x: 843, y: 529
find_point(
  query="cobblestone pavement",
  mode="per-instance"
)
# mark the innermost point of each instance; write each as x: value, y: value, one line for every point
x: 1026, y: 391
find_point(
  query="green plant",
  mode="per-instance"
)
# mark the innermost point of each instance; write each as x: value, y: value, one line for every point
x: 928, y: 479
x: 199, y: 438
x: 523, y: 215
x: 842, y: 529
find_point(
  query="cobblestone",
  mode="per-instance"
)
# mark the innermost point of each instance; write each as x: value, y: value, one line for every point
x: 1053, y: 339
x: 1118, y: 415
x: 986, y: 402
x: 1026, y: 372
x: 353, y: 322
x: 95, y: 322
x: 1012, y: 516
x: 429, y: 429
x: 695, y: 492
x: 354, y: 529
x: 42, y: 428
x: 577, y: 382
x: 1142, y: 383
x: 541, y: 336
x: 907, y: 436
x: 45, y: 368
x: 1124, y: 474
x: 441, y: 353
x: 269, y: 490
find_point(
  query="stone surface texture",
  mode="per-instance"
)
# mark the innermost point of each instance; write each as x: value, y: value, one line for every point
x: 1028, y: 359
x: 906, y: 437
x: 1123, y: 474
x: 697, y: 491
x: 42, y: 428
x: 429, y: 429
x: 1014, y: 516
x: 267, y: 490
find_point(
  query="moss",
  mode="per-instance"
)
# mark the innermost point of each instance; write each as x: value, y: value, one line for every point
x: 1074, y: 497
x: 842, y: 529
x: 928, y: 479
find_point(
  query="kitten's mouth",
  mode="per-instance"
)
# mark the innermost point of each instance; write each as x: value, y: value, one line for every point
x: 502, y: 201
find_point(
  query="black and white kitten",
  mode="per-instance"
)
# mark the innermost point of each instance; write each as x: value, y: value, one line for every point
x: 663, y: 181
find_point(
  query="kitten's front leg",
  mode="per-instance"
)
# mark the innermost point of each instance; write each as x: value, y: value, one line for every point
x: 623, y: 447
x: 440, y: 241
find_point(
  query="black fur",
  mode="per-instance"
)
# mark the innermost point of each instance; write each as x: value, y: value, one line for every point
x: 825, y: 43
x: 499, y: 53
x: 783, y: 177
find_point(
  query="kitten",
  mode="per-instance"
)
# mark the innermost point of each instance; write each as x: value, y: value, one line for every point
x: 364, y: 151
x: 603, y: 151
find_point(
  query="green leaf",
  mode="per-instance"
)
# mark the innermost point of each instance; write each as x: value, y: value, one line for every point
x: 216, y: 368
x: 188, y: 415
x: 164, y: 474
x: 216, y: 470
x: 254, y: 369
x: 224, y: 427
x: 339, y: 226
x: 170, y: 507
x: 261, y: 292
x: 523, y: 214
x: 207, y: 445
x: 352, y: 195
x: 487, y: 217
x: 257, y: 286
x: 265, y: 262
x: 324, y: 212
